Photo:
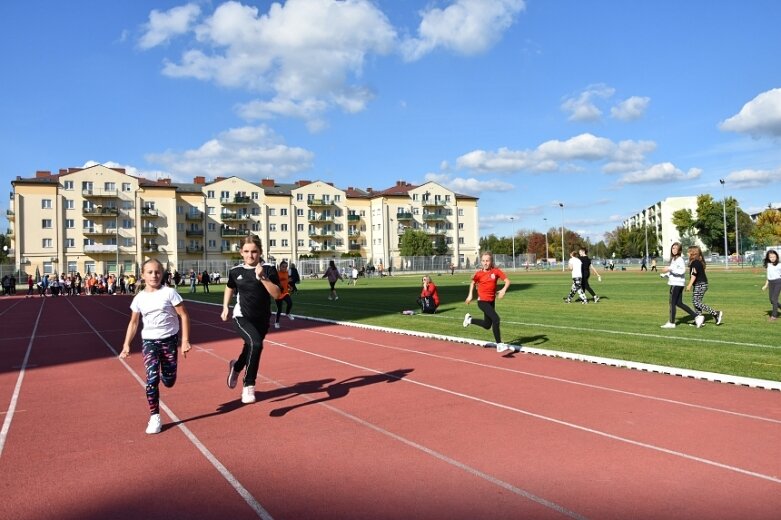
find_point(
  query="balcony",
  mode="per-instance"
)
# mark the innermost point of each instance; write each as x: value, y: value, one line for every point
x: 322, y: 218
x: 100, y: 212
x: 238, y: 200
x: 404, y: 216
x: 193, y: 233
x: 149, y: 231
x: 99, y: 194
x: 97, y: 249
x: 322, y: 249
x: 95, y: 232
x: 321, y: 234
x: 149, y: 213
x: 353, y: 233
x: 319, y: 203
x: 195, y: 216
x: 10, y: 214
x: 234, y: 232
x: 234, y: 217
x: 436, y: 231
x: 231, y: 250
x: 192, y: 250
x: 434, y: 217
x: 149, y: 248
x: 353, y: 218
x: 354, y: 247
x: 434, y: 203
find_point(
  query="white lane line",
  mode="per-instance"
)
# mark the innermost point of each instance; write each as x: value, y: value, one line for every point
x: 10, y: 307
x: 553, y: 420
x: 18, y: 388
x: 550, y: 378
x: 226, y: 474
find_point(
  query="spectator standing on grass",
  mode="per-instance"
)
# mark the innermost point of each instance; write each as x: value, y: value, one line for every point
x: 643, y: 265
x: 676, y: 279
x: 486, y: 280
x: 698, y: 282
x: 295, y: 279
x: 429, y: 297
x: 205, y: 281
x: 160, y: 308
x: 586, y: 269
x: 332, y: 275
x: 284, y: 297
x: 773, y: 281
x: 354, y: 275
x: 193, y: 279
x: 576, y: 272
x: 653, y: 265
x: 254, y: 285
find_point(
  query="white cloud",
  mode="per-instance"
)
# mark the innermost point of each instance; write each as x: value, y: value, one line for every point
x: 759, y: 117
x: 630, y: 109
x: 582, y: 106
x: 555, y: 155
x: 251, y: 152
x: 752, y: 178
x: 661, y: 173
x: 132, y: 170
x: 466, y: 27
x: 468, y: 186
x: 162, y: 26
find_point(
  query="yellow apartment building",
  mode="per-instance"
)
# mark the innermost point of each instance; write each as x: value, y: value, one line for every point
x: 100, y: 219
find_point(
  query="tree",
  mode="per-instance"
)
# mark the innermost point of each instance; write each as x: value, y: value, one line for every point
x: 440, y: 246
x: 4, y: 242
x: 415, y: 243
x: 767, y: 231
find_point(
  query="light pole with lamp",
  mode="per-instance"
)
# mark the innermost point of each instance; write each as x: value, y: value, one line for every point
x: 512, y: 221
x: 547, y: 255
x: 645, y: 225
x: 724, y: 214
x: 737, y: 244
x: 561, y: 205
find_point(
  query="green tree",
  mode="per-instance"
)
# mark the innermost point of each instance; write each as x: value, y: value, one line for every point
x: 767, y: 231
x: 415, y: 243
x: 4, y: 242
x: 440, y: 246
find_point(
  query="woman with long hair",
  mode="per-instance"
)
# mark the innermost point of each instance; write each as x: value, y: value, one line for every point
x: 486, y: 280
x: 676, y: 279
x: 698, y: 282
x: 773, y: 281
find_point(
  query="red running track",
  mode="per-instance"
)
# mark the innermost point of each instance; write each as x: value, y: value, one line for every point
x: 355, y: 424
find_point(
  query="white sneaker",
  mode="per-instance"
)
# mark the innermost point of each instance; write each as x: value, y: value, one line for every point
x: 467, y: 319
x: 719, y: 318
x: 248, y: 395
x: 596, y: 299
x: 668, y: 325
x: 289, y: 317
x: 336, y: 298
x: 233, y: 376
x: 503, y: 347
x: 154, y: 425
x: 276, y: 325
x: 699, y: 320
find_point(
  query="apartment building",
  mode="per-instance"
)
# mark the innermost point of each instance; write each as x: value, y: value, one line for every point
x: 659, y: 217
x: 99, y: 219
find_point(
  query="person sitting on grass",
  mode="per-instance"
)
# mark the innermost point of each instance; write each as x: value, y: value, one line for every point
x: 429, y: 297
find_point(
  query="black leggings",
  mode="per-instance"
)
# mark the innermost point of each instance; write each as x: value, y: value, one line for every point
x: 587, y: 287
x: 289, y: 301
x: 490, y: 319
x: 252, y: 332
x: 676, y: 300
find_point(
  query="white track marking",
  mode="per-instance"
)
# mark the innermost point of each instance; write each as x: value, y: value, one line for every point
x: 18, y: 387
x: 226, y: 474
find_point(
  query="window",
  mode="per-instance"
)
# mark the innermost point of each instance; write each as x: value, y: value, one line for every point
x: 284, y: 243
x: 180, y: 244
x: 283, y: 212
x: 283, y: 227
x: 46, y: 223
x: 125, y: 186
x: 129, y: 242
x: 210, y: 194
x: 69, y: 223
x: 460, y: 212
x: 212, y: 226
x: 46, y: 243
x: 272, y: 212
x: 447, y: 198
x: 299, y: 196
x: 89, y: 242
x: 67, y: 185
x: 46, y: 204
x: 87, y: 224
x: 69, y: 204
x: 86, y: 186
x: 300, y: 243
x: 70, y: 242
x: 225, y: 194
x: 461, y: 240
x: 180, y: 210
x: 460, y: 225
x: 72, y: 266
x: 210, y: 210
x: 272, y: 243
x: 212, y: 243
x: 272, y: 227
x: 254, y: 195
x: 337, y: 198
x: 255, y: 226
x: 109, y: 186
x: 300, y: 227
x: 47, y: 268
x: 89, y: 267
x: 127, y: 224
x: 300, y: 212
x: 111, y: 224
x: 180, y: 227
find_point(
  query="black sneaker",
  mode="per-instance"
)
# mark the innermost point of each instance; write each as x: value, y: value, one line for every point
x: 233, y: 376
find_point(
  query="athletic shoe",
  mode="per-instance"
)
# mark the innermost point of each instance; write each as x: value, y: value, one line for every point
x: 596, y: 299
x: 467, y: 319
x: 668, y: 325
x: 501, y: 347
x: 719, y: 318
x: 289, y: 316
x: 155, y: 424
x: 248, y: 395
x: 699, y: 320
x: 584, y: 302
x: 567, y: 300
x: 772, y: 318
x: 330, y: 297
x: 336, y: 298
x: 233, y: 376
x: 276, y: 325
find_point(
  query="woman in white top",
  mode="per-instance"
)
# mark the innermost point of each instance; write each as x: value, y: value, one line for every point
x: 676, y: 279
x: 773, y: 281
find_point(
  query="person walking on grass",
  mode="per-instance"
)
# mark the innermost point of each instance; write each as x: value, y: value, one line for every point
x: 576, y: 268
x: 773, y: 281
x: 486, y: 280
x: 333, y: 275
x: 698, y: 281
x: 586, y: 268
x: 676, y: 279
x: 284, y: 297
x: 160, y: 308
x: 254, y: 285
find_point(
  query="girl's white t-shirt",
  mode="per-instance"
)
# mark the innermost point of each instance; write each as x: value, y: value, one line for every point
x: 576, y: 266
x: 774, y: 271
x: 677, y: 272
x: 158, y: 313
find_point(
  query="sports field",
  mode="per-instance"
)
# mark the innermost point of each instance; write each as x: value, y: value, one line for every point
x: 625, y: 324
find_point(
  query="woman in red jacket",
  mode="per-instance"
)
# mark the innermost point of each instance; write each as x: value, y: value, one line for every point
x: 429, y: 298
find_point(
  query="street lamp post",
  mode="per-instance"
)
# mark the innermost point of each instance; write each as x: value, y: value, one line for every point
x: 512, y: 221
x: 724, y: 214
x: 645, y: 225
x: 561, y: 205
x: 737, y: 244
x: 547, y: 255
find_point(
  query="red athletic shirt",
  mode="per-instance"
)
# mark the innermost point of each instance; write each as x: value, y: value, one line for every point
x: 431, y: 290
x: 486, y: 282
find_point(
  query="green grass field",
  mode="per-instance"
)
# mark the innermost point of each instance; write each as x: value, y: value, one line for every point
x: 623, y: 325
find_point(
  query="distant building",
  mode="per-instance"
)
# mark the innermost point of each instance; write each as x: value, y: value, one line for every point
x: 102, y: 220
x: 659, y: 217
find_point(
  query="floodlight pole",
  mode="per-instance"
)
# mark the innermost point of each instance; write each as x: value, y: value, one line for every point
x: 724, y: 214
x: 561, y: 205
x: 512, y: 221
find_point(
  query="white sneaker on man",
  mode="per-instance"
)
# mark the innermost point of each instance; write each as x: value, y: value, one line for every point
x: 699, y: 320
x: 289, y: 316
x: 668, y: 325
x: 276, y: 325
x: 154, y: 425
x: 248, y: 395
x: 719, y: 318
x: 467, y: 319
x: 596, y: 298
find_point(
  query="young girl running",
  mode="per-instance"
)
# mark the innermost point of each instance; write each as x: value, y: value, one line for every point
x: 486, y: 280
x: 773, y: 281
x: 159, y: 307
x: 284, y: 283
x: 699, y: 281
x: 254, y: 283
x: 676, y: 279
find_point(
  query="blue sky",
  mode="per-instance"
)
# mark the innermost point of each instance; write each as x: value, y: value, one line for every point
x: 605, y: 106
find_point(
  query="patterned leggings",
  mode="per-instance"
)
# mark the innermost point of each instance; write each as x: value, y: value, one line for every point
x: 577, y: 288
x: 698, y: 294
x: 160, y: 363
